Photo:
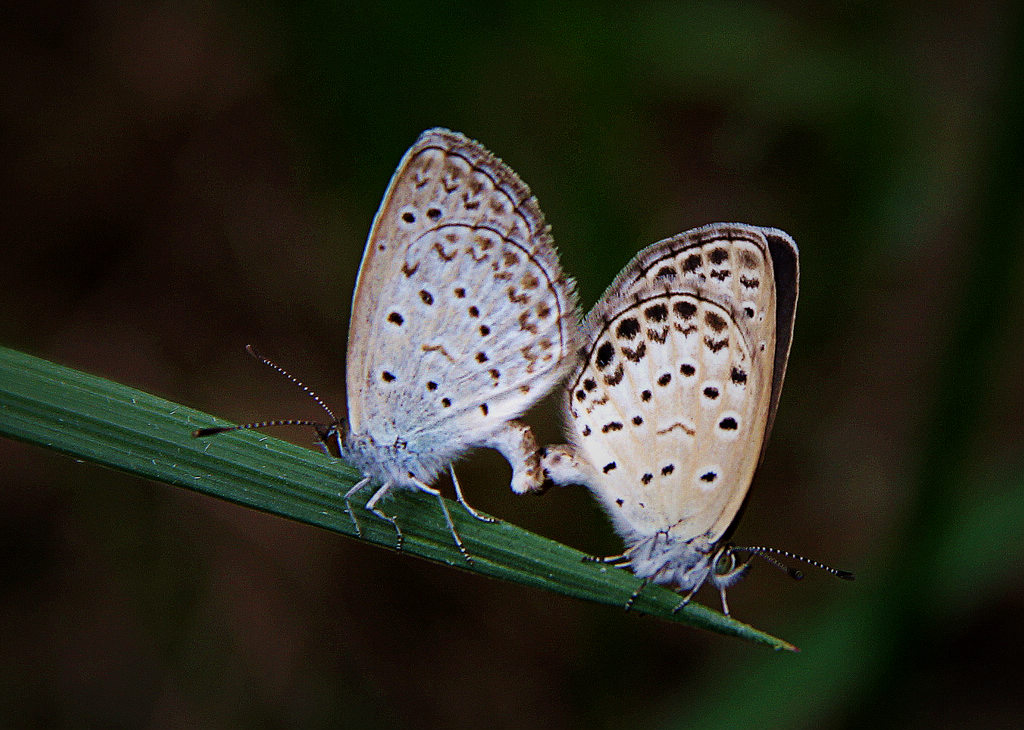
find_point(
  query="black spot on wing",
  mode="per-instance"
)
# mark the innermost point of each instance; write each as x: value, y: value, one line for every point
x: 716, y: 345
x: 616, y: 377
x: 635, y: 355
x: 714, y: 321
x: 684, y: 309
x: 628, y: 328
x: 656, y: 312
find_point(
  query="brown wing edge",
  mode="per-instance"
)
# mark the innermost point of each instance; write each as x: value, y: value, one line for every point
x: 786, y: 266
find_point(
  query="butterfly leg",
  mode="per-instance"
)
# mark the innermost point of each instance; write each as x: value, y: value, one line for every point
x: 463, y: 502
x: 348, y: 503
x: 686, y: 599
x: 447, y: 518
x: 636, y: 594
x: 516, y: 443
x: 617, y: 560
x: 371, y: 505
x: 725, y: 604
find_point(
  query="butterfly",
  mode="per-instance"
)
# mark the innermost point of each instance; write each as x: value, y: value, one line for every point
x: 669, y: 408
x: 462, y: 319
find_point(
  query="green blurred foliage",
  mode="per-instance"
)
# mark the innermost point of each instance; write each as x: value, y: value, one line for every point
x: 181, y: 179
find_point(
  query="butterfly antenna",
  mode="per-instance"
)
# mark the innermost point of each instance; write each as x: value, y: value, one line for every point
x: 323, y: 430
x: 768, y: 555
x: 200, y: 432
x: 305, y: 388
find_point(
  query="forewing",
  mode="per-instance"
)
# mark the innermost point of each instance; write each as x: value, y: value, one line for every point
x: 462, y: 317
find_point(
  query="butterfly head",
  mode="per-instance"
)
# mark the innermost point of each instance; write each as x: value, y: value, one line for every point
x: 332, y: 437
x: 671, y: 560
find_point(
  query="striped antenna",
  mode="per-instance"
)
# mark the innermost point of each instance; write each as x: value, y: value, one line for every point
x: 200, y: 432
x: 768, y: 555
x: 323, y: 430
x: 302, y: 386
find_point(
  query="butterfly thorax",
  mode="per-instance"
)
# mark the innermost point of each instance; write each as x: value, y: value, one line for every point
x: 394, y: 461
x: 670, y: 560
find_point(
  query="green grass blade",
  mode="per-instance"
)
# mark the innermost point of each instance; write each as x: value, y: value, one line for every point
x: 107, y: 423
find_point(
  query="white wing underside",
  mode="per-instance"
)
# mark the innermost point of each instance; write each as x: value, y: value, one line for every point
x: 670, y: 408
x: 463, y: 316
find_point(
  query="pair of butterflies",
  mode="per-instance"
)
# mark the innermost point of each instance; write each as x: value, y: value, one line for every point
x: 462, y: 319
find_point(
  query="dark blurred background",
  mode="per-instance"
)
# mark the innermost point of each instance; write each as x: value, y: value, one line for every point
x: 180, y: 179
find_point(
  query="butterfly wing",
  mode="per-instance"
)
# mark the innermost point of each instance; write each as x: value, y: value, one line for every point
x: 461, y: 317
x: 732, y: 262
x: 684, y: 354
